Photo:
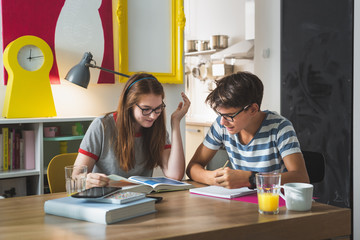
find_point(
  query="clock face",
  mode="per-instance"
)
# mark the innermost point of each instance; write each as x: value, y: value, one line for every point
x: 30, y: 57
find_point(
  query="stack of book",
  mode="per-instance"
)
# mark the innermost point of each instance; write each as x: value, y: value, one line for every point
x: 97, y: 211
x: 128, y: 203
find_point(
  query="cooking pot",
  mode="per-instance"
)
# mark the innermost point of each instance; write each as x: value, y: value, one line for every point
x: 202, y: 45
x: 191, y: 45
x: 219, y: 41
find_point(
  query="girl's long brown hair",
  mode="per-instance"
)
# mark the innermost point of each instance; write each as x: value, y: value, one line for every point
x: 153, y: 138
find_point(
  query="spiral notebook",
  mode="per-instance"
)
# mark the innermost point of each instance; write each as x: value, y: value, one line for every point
x: 221, y: 192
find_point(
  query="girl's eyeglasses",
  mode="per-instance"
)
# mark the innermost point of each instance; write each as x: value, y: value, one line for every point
x: 148, y: 111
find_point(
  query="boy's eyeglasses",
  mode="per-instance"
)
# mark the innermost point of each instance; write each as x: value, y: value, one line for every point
x: 231, y: 118
x: 148, y: 111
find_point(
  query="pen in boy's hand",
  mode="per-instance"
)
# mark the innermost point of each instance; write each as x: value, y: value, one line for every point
x: 225, y: 164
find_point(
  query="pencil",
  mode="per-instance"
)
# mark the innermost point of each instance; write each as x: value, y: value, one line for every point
x: 225, y: 164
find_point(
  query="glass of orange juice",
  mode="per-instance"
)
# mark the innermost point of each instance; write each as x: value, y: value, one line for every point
x: 268, y: 189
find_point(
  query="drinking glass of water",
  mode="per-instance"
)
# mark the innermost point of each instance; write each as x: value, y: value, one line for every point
x: 75, y: 177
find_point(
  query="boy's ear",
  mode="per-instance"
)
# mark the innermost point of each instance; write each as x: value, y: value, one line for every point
x: 254, y: 108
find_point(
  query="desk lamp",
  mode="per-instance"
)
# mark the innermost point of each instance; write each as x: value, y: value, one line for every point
x: 80, y: 73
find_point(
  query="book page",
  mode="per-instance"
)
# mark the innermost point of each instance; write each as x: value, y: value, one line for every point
x: 155, y: 181
x: 128, y: 184
x: 118, y: 181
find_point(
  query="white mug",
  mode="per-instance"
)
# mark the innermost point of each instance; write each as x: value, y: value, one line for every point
x: 298, y: 196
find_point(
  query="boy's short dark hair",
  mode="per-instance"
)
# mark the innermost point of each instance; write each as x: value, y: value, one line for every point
x: 236, y: 90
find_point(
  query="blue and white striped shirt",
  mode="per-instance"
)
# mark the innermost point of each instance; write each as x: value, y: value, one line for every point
x: 275, y: 139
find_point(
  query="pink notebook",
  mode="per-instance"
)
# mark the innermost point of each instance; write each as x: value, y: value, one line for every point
x: 251, y: 198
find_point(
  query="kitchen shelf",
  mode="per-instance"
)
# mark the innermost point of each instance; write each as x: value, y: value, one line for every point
x: 212, y: 51
x: 63, y: 138
x: 18, y: 173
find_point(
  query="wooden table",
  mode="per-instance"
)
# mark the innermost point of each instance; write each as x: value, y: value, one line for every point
x: 180, y: 215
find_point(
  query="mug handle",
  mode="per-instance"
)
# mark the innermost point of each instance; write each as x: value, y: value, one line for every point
x: 280, y: 193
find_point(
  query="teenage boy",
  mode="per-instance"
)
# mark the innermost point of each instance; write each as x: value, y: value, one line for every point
x: 255, y: 140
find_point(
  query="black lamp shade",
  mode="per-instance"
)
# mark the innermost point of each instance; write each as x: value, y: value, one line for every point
x: 80, y: 73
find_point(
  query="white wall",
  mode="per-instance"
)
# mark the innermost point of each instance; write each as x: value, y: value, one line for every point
x: 267, y: 36
x: 205, y: 18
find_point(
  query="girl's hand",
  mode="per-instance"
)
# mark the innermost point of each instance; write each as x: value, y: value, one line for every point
x: 96, y: 180
x: 182, y: 108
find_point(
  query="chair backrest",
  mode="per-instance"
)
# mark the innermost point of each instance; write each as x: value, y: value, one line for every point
x: 56, y: 171
x: 218, y: 160
x: 315, y: 165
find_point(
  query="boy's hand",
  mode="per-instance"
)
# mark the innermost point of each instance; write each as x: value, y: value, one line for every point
x: 230, y: 178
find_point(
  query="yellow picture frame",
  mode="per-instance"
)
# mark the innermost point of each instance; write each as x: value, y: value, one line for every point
x: 176, y: 51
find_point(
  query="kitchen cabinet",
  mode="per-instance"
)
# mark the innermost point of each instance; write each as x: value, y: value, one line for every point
x: 194, y: 136
x: 45, y: 148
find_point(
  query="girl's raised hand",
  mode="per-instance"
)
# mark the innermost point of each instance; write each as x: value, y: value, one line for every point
x: 182, y: 108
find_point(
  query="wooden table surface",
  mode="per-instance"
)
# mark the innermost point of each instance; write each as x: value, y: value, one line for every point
x: 180, y: 215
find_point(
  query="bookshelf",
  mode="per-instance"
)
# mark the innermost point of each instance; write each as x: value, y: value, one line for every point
x: 45, y: 148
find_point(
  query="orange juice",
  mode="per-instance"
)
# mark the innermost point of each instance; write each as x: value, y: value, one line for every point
x: 268, y: 202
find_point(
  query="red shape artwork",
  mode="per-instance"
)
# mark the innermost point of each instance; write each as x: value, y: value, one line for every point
x: 39, y: 18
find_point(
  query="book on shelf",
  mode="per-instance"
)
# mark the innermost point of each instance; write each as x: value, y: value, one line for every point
x: 97, y: 212
x: 5, y: 134
x: 29, y: 149
x: 21, y: 153
x: 17, y: 150
x: 147, y: 184
x: 221, y: 192
x: 12, y: 164
x: 10, y: 144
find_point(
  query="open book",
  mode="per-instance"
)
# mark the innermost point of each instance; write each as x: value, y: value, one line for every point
x: 217, y: 191
x: 147, y: 184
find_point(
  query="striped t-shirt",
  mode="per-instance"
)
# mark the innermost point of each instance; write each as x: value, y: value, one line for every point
x: 275, y: 139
